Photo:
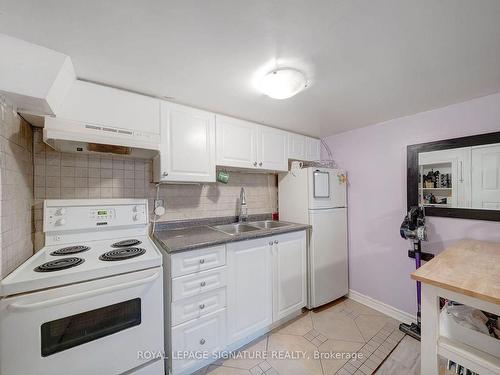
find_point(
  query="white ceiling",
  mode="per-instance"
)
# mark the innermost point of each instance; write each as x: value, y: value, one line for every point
x: 368, y: 60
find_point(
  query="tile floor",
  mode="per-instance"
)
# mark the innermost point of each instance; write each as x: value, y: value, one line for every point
x: 405, y: 359
x: 345, y: 327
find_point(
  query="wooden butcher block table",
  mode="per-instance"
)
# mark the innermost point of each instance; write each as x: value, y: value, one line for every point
x: 469, y: 273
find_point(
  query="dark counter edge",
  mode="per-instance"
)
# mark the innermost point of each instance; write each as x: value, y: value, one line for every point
x: 226, y: 238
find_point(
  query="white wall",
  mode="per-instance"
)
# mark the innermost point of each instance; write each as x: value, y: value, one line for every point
x: 375, y: 159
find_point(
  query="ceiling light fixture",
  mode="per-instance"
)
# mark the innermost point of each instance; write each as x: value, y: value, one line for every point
x: 283, y: 83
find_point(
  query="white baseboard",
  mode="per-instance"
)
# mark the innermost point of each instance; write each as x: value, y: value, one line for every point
x: 382, y: 307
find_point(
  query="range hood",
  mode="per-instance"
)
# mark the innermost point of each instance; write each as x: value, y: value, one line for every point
x: 87, y: 138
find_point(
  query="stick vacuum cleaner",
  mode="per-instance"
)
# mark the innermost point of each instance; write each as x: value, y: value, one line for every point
x: 413, y: 229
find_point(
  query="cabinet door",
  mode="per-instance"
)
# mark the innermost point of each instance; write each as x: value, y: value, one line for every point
x: 188, y: 144
x: 205, y: 334
x: 486, y: 177
x: 296, y: 146
x: 249, y: 288
x: 289, y: 274
x: 236, y: 143
x: 272, y: 149
x: 312, y: 149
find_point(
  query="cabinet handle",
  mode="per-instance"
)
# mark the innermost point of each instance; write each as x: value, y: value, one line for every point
x: 270, y: 243
x: 202, y: 261
x: 203, y: 283
x: 275, y: 242
x: 202, y: 306
x: 260, y: 164
x: 461, y: 171
x: 254, y: 163
x: 202, y: 341
x: 165, y: 174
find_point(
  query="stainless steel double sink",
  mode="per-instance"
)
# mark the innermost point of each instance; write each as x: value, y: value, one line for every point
x: 237, y: 228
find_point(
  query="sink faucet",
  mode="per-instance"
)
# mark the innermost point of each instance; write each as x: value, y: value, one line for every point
x: 243, y: 206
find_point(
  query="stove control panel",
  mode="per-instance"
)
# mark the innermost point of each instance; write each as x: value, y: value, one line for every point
x: 61, y: 216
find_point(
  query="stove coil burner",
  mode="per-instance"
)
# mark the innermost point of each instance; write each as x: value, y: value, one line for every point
x: 122, y: 254
x: 59, y: 264
x: 70, y: 250
x: 126, y: 243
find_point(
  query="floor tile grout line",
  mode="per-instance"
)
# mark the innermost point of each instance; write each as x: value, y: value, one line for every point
x: 379, y: 345
x: 388, y: 355
x: 359, y: 330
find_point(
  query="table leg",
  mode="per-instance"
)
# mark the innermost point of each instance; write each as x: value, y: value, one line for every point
x: 429, y: 330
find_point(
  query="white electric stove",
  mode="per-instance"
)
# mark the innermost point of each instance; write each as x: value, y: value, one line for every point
x: 90, y: 301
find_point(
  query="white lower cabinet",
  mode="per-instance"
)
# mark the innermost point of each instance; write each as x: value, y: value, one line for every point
x: 198, y: 283
x: 199, y: 337
x: 289, y: 270
x: 197, y: 306
x: 249, y: 287
x: 193, y: 261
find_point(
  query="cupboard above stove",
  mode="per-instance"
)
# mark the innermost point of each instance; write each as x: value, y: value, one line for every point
x: 194, y: 142
x: 186, y: 143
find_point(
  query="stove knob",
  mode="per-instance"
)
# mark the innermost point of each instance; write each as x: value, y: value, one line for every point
x: 135, y: 209
x: 60, y: 222
x: 137, y: 217
x: 61, y: 211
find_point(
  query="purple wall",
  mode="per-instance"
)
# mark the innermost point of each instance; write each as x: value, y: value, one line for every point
x: 375, y: 160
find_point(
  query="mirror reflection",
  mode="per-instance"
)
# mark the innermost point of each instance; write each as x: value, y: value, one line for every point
x: 467, y: 177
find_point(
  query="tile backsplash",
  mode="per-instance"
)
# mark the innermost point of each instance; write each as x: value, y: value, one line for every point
x: 68, y: 176
x: 16, y: 185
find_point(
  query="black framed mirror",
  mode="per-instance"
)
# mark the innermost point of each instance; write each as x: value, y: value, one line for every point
x: 457, y: 178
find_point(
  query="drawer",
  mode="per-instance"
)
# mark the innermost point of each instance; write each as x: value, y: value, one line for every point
x: 198, y: 283
x: 198, y: 260
x: 204, y: 335
x: 197, y: 306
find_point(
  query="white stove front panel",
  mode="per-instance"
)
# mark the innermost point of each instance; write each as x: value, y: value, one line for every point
x: 78, y: 215
x: 96, y: 327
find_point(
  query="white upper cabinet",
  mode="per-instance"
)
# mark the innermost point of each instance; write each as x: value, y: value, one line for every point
x: 187, y: 145
x: 272, y: 149
x: 312, y: 149
x: 289, y: 274
x: 236, y: 143
x: 243, y: 144
x: 301, y: 147
x: 249, y: 288
x: 296, y: 146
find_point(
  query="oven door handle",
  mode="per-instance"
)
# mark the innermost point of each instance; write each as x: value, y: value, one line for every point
x: 19, y: 307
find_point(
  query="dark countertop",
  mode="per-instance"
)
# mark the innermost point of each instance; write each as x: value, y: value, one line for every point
x: 175, y: 238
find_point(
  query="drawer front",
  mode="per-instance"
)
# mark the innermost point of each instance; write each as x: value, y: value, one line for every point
x: 198, y: 260
x: 195, y: 307
x: 204, y: 335
x: 198, y: 283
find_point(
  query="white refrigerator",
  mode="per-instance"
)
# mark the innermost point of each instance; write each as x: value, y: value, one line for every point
x: 317, y: 196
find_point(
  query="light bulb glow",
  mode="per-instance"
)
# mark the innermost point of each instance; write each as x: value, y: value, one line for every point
x: 283, y: 83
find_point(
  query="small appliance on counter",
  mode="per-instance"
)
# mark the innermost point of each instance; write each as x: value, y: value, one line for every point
x: 317, y: 196
x: 91, y: 300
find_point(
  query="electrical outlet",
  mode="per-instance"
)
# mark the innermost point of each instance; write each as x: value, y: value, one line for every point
x: 159, y: 203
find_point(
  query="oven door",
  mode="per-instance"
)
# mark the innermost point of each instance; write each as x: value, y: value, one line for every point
x: 105, y: 326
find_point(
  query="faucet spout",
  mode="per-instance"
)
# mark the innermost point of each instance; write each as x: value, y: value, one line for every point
x: 243, y: 206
